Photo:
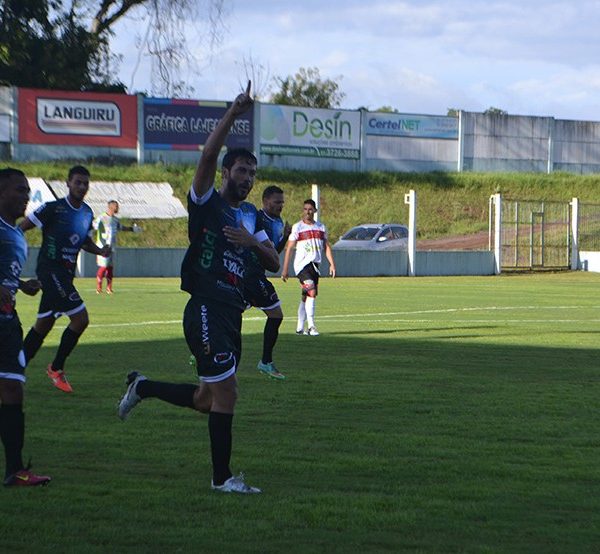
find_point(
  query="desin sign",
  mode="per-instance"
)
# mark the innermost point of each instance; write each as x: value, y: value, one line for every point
x: 77, y: 118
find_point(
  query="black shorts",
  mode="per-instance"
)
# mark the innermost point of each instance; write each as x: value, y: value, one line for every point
x: 261, y: 293
x: 213, y: 332
x: 309, y: 278
x: 59, y: 295
x: 12, y: 358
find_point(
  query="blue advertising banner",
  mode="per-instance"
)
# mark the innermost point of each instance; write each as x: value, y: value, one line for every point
x: 171, y: 124
x: 410, y: 125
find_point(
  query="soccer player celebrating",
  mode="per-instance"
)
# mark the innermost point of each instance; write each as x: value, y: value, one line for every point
x: 107, y: 226
x: 309, y: 237
x: 223, y: 230
x: 66, y: 225
x: 14, y: 195
x: 258, y: 290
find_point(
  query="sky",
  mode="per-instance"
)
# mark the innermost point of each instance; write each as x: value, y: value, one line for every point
x: 528, y: 57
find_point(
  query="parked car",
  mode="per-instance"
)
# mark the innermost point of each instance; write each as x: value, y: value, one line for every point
x: 374, y: 236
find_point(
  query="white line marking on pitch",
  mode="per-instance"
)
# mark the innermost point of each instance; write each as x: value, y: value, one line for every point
x: 342, y: 317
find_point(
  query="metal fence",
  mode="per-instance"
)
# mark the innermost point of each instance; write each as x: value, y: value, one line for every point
x: 589, y: 227
x: 535, y: 234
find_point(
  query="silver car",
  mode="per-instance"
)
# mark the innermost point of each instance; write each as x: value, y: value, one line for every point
x: 374, y: 236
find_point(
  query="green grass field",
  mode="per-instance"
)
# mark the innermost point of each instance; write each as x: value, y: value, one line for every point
x: 431, y: 415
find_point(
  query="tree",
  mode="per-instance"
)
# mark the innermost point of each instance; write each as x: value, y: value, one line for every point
x: 66, y: 43
x: 495, y: 111
x: 386, y: 109
x: 453, y: 112
x: 306, y: 88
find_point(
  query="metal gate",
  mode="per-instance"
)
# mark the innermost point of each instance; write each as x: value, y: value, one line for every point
x: 535, y: 234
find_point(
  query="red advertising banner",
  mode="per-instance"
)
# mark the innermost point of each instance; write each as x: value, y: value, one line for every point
x: 77, y: 118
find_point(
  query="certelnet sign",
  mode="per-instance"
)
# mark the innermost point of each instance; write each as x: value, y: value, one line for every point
x: 78, y: 117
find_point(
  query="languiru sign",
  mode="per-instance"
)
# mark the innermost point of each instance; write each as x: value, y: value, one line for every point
x: 77, y: 118
x: 311, y: 132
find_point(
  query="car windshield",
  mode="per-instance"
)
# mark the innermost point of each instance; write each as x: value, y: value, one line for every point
x: 361, y: 233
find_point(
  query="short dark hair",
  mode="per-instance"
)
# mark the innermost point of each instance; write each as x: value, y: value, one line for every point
x: 8, y: 173
x: 271, y: 190
x: 311, y: 202
x: 113, y: 202
x: 78, y: 170
x: 235, y: 153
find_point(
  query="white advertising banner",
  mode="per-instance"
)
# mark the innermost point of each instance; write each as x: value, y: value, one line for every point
x: 39, y: 194
x: 411, y: 125
x: 312, y: 132
x: 136, y: 200
x: 78, y: 117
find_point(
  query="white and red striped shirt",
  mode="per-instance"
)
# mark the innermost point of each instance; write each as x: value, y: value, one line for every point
x: 310, y: 243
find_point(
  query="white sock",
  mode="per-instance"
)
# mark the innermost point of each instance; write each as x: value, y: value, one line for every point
x: 301, y: 317
x: 310, y: 311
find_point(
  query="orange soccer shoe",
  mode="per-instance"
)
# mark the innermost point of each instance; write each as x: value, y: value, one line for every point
x: 59, y: 379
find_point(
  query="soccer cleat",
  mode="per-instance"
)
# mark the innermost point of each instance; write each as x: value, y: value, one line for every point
x: 301, y: 332
x: 131, y: 398
x: 312, y: 331
x: 25, y: 478
x: 270, y: 370
x: 109, y: 290
x: 236, y: 484
x: 59, y: 379
x: 98, y: 291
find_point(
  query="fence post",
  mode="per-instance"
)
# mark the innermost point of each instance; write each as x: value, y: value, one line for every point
x: 497, y: 233
x: 461, y: 142
x: 575, y: 234
x: 315, y: 195
x: 411, y: 200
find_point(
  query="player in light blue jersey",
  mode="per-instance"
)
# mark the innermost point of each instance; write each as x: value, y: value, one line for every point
x: 258, y: 290
x: 66, y: 225
x: 14, y: 195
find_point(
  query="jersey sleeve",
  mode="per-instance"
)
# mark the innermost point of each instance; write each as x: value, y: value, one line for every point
x: 43, y: 214
x: 201, y: 200
x: 294, y: 234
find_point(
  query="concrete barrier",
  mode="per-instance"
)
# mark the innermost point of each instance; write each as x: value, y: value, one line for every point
x: 166, y: 262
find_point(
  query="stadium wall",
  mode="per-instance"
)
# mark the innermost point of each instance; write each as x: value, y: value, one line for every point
x: 166, y: 262
x: 388, y: 141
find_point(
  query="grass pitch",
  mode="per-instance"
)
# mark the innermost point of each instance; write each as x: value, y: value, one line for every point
x: 431, y: 415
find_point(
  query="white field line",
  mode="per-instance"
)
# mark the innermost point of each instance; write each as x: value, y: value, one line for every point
x: 361, y: 316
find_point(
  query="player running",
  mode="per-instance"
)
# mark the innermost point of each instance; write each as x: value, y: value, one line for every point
x: 309, y: 237
x: 258, y: 290
x: 223, y: 231
x: 14, y: 195
x: 66, y: 225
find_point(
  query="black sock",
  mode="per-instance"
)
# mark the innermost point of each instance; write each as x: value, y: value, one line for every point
x: 68, y: 341
x: 270, y: 335
x: 181, y: 394
x: 32, y: 343
x: 12, y: 433
x: 219, y: 429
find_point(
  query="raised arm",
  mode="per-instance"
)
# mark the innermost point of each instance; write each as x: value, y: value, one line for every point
x: 207, y: 166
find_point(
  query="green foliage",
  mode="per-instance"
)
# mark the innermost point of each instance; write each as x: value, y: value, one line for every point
x: 387, y: 109
x: 45, y: 45
x: 495, y: 111
x: 448, y: 203
x: 307, y: 88
x: 432, y: 415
